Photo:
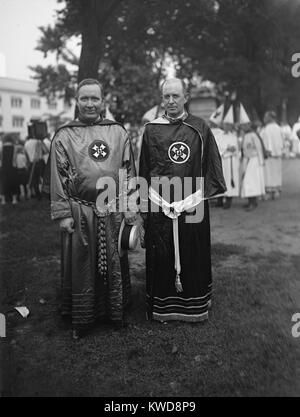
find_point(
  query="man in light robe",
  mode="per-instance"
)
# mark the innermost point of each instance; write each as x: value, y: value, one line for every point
x: 218, y: 133
x: 178, y: 252
x: 229, y: 149
x: 252, y: 181
x: 287, y: 136
x: 296, y: 138
x: 95, y: 279
x: 273, y: 141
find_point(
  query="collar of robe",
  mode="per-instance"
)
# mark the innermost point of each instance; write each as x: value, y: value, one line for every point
x: 174, y: 120
x: 88, y: 122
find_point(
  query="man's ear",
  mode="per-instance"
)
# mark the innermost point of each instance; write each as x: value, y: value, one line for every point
x: 76, y: 110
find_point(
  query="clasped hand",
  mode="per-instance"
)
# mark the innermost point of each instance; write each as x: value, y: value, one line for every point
x: 130, y: 217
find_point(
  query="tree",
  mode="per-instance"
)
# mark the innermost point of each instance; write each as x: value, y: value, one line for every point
x: 240, y: 45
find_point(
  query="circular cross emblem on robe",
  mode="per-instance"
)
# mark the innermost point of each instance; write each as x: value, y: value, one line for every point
x: 99, y: 150
x: 179, y: 152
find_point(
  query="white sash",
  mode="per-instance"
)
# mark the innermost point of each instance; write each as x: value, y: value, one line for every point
x: 173, y: 211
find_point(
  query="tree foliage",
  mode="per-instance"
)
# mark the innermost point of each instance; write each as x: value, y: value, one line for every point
x: 240, y: 45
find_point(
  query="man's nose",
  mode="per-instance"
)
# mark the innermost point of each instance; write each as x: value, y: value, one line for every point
x: 89, y: 103
x: 171, y: 100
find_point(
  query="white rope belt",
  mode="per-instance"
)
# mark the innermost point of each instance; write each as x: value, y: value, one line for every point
x: 173, y: 211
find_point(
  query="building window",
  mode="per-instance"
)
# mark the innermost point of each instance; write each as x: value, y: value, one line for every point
x: 17, y: 121
x: 1, y: 121
x: 16, y: 102
x: 52, y: 105
x: 35, y: 103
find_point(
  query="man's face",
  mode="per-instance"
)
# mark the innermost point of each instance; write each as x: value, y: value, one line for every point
x: 173, y: 98
x: 89, y: 101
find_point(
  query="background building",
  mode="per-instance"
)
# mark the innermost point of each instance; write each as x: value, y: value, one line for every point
x: 20, y: 102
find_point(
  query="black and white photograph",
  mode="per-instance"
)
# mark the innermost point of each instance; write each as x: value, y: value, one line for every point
x: 149, y: 201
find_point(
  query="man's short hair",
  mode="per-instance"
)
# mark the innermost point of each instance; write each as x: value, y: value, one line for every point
x: 184, y: 85
x: 89, y: 81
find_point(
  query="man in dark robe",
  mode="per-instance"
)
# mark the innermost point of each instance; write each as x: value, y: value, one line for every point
x: 178, y: 250
x: 95, y: 279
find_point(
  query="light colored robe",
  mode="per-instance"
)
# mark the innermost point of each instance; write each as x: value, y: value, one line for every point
x: 252, y: 181
x: 273, y: 141
x: 295, y: 139
x: 95, y: 280
x: 230, y: 162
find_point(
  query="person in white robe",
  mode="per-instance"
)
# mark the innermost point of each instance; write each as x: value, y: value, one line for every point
x: 273, y: 141
x: 286, y: 131
x: 229, y: 150
x: 218, y: 134
x: 252, y: 167
x: 296, y: 139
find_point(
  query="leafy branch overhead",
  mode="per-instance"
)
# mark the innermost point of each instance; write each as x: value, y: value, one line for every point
x: 241, y: 45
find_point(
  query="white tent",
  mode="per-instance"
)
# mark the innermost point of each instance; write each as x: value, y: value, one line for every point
x: 217, y: 115
x: 153, y: 113
x: 236, y: 115
x: 108, y: 114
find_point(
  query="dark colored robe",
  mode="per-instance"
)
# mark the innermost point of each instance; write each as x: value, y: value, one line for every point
x: 159, y: 158
x: 95, y: 279
x: 9, y: 172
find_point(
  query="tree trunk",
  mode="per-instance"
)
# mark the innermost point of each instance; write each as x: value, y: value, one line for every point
x: 90, y: 48
x: 95, y: 16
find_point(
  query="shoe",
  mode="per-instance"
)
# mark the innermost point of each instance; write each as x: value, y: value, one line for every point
x: 227, y: 203
x: 78, y: 334
x: 251, y: 207
x: 227, y: 206
x: 75, y: 335
x: 219, y: 202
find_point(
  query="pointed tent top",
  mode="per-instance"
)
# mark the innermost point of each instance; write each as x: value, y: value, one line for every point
x: 108, y: 114
x: 217, y: 115
x: 236, y: 114
x: 153, y: 113
x: 244, y: 118
x: 229, y: 117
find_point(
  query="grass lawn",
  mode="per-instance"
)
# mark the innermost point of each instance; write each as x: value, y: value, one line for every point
x: 245, y: 349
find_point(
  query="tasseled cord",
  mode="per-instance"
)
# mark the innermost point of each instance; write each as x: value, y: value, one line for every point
x: 178, y: 284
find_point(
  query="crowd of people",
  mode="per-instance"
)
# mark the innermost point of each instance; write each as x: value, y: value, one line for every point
x: 22, y: 167
x: 252, y: 156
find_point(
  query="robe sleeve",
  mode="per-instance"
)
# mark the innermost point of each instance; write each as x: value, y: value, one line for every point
x: 266, y: 139
x: 144, y: 160
x: 214, y: 183
x: 144, y: 172
x: 128, y: 159
x: 60, y: 204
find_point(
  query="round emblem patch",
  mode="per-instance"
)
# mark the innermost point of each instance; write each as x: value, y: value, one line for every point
x: 99, y: 150
x: 179, y: 152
